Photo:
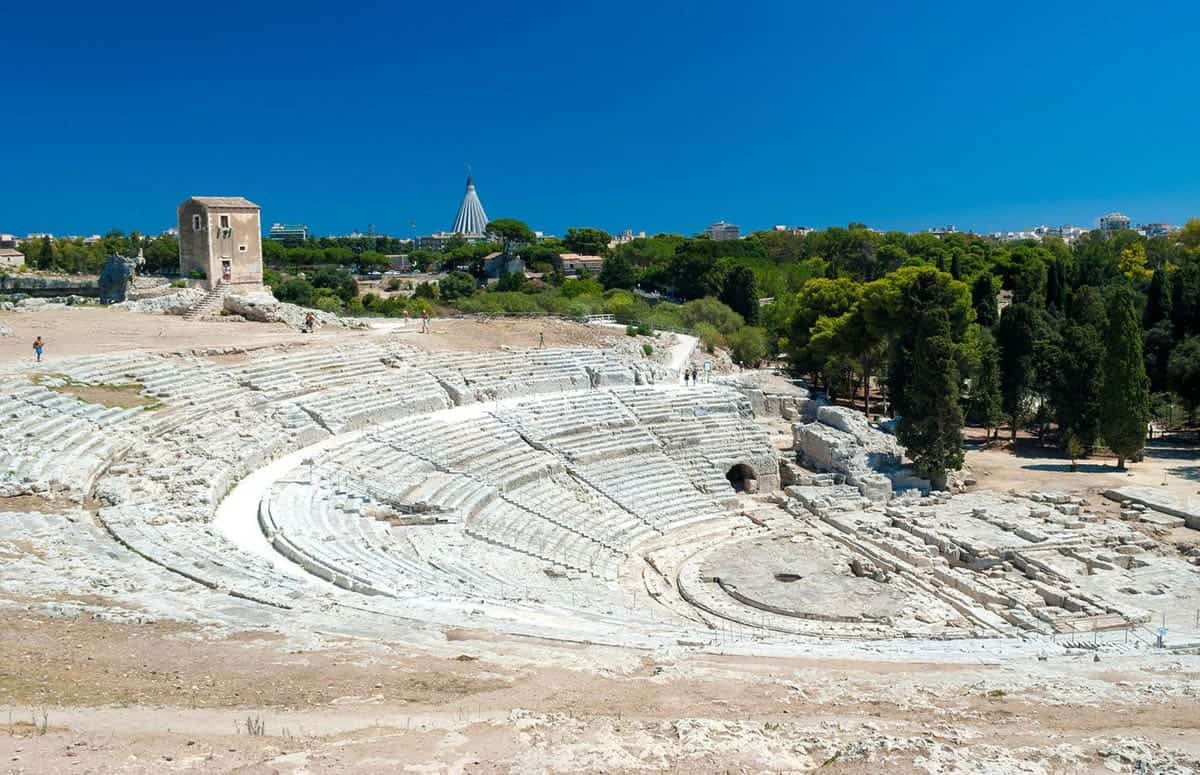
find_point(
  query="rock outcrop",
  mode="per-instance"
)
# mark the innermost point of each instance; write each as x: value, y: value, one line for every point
x: 841, y: 441
x: 116, y: 277
x: 265, y: 308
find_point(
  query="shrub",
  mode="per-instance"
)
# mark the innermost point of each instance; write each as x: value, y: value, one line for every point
x: 644, y: 330
x: 510, y: 281
x: 749, y: 345
x: 710, y: 337
x: 426, y: 291
x: 631, y: 331
x: 295, y: 291
x: 709, y: 310
x: 337, y: 280
x: 179, y: 284
x: 392, y: 284
x: 328, y: 304
x: 648, y: 349
x: 456, y: 285
x: 272, y: 278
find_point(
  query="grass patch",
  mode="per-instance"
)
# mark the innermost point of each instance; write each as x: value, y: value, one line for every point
x: 126, y: 395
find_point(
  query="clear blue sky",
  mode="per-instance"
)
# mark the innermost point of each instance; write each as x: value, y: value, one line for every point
x: 655, y: 116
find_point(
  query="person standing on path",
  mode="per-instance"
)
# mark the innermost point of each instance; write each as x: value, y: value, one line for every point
x: 425, y: 322
x: 541, y: 340
x: 38, y: 346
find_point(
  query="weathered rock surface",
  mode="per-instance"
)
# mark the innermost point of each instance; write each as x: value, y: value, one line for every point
x: 840, y: 440
x: 172, y: 304
x: 265, y: 308
x: 115, y: 278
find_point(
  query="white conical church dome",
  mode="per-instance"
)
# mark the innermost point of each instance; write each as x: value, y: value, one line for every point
x: 471, y: 218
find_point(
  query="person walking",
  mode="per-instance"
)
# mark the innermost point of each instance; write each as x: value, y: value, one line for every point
x: 38, y: 346
x: 541, y: 340
x: 425, y: 321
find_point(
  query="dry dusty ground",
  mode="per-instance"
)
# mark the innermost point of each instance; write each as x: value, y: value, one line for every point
x: 88, y: 330
x: 90, y: 696
x: 87, y: 695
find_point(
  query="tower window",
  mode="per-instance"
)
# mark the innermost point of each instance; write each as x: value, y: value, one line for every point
x: 224, y: 221
x: 197, y: 222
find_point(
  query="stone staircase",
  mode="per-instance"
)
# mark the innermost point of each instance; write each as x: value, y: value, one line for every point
x: 210, y: 304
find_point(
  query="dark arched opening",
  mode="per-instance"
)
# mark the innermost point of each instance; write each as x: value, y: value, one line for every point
x: 742, y: 478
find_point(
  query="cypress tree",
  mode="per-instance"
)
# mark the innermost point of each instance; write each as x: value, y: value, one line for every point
x: 983, y: 298
x: 1077, y: 386
x: 985, y: 407
x: 1125, y: 405
x: 46, y: 255
x: 931, y: 428
x: 1016, y: 336
x: 740, y: 293
x: 1158, y: 299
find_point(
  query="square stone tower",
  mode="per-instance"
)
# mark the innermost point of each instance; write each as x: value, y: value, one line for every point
x: 221, y: 238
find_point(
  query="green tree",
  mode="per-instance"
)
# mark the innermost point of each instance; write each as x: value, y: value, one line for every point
x: 1077, y: 386
x: 1016, y: 336
x: 1131, y: 262
x: 1183, y: 371
x: 426, y: 291
x: 587, y: 241
x: 983, y: 298
x: 1125, y: 406
x: 819, y: 300
x: 295, y: 291
x: 931, y: 422
x: 985, y: 406
x: 617, y: 272
x: 508, y: 282
x: 456, y: 285
x: 512, y: 232
x: 45, y: 257
x: 1158, y: 298
x: 740, y: 293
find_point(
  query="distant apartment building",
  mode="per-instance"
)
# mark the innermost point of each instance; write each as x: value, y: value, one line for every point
x: 220, y: 238
x: 721, y: 230
x: 942, y: 231
x: 1114, y: 222
x: 795, y: 231
x: 288, y: 232
x: 572, y: 263
x: 1153, y: 230
x: 8, y: 240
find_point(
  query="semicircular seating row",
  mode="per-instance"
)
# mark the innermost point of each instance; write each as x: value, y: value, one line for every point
x: 568, y: 481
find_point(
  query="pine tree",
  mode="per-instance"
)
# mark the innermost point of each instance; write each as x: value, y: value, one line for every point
x: 1016, y: 336
x: 985, y: 407
x: 617, y: 272
x: 931, y: 429
x: 1125, y: 406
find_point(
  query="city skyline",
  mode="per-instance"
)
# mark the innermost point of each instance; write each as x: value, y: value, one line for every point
x: 900, y: 118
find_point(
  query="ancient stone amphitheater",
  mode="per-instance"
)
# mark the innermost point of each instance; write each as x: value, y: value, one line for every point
x: 563, y: 493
